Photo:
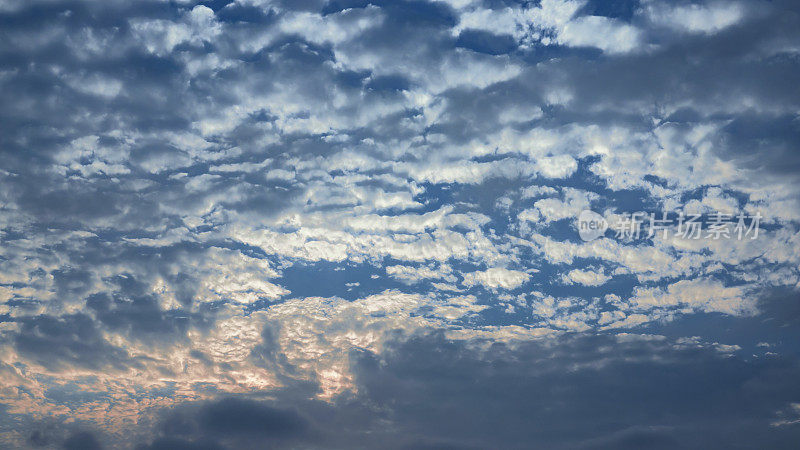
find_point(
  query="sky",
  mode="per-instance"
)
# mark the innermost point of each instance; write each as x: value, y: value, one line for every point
x: 429, y: 224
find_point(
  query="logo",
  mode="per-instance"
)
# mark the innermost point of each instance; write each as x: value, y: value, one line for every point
x: 591, y: 225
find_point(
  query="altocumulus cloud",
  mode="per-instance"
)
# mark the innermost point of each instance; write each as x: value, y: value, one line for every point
x: 351, y: 224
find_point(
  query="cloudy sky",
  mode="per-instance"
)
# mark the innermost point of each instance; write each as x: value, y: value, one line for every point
x: 354, y: 224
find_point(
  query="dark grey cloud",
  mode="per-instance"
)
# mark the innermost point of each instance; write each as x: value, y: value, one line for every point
x: 234, y: 416
x: 764, y: 142
x: 50, y: 435
x: 237, y: 420
x: 60, y: 343
x: 82, y: 441
x: 581, y: 391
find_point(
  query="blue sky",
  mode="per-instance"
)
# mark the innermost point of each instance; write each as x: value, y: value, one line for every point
x: 354, y: 224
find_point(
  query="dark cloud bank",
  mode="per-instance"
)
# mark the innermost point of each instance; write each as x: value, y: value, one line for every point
x: 582, y: 392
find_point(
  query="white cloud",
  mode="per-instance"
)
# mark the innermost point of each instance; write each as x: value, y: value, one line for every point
x: 606, y: 34
x: 585, y: 277
x: 700, y: 294
x: 162, y: 36
x: 412, y: 275
x: 495, y: 278
x: 537, y: 23
x: 574, y: 202
x: 696, y: 18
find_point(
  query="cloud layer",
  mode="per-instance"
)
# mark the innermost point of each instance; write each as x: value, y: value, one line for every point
x: 332, y: 224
